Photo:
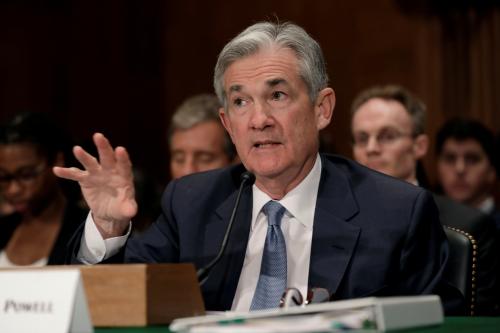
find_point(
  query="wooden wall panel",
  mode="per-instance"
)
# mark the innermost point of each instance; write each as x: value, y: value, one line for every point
x: 122, y: 67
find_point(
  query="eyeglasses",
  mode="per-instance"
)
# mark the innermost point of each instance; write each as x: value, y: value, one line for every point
x: 24, y: 176
x: 385, y: 137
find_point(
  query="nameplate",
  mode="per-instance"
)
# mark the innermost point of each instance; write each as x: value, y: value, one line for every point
x: 43, y: 301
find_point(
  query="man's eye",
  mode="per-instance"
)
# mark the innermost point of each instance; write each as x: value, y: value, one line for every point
x: 239, y: 102
x: 360, y: 140
x: 278, y: 95
x: 471, y: 159
x: 27, y: 175
x: 206, y: 158
x: 177, y: 158
x: 449, y: 158
x: 388, y: 136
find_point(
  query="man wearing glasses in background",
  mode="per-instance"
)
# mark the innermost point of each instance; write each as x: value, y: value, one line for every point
x: 388, y: 130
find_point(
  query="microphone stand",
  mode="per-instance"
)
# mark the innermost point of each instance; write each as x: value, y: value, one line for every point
x: 204, y: 272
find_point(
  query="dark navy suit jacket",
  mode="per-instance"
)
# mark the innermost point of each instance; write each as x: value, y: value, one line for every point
x: 372, y: 236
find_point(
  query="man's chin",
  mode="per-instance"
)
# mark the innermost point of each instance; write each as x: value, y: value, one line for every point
x: 460, y: 197
x: 380, y: 168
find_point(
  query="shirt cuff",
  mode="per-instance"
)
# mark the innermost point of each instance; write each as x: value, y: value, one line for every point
x: 93, y: 248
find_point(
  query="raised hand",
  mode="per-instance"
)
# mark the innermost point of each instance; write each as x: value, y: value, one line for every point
x: 107, y: 185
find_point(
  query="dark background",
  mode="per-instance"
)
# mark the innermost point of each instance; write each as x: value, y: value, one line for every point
x: 122, y: 66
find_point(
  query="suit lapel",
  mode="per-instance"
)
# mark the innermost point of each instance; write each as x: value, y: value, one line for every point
x: 334, y: 238
x: 226, y: 273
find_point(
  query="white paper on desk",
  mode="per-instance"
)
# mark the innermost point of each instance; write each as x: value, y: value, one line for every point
x: 321, y: 322
x: 378, y: 313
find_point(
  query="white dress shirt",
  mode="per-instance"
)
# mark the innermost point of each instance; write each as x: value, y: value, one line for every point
x: 487, y: 206
x: 297, y: 227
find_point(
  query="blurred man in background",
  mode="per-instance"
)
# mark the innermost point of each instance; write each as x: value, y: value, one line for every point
x: 388, y: 131
x: 196, y: 138
x: 467, y: 164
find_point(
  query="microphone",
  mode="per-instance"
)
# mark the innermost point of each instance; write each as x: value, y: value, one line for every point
x: 246, y: 178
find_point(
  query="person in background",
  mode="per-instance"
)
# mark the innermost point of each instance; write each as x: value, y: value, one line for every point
x: 43, y: 211
x: 196, y: 138
x: 467, y: 164
x: 388, y: 130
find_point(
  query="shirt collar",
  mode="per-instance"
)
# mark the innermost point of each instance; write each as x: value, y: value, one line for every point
x: 487, y: 206
x: 300, y: 202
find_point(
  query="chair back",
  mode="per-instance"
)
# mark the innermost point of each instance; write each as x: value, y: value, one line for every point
x: 460, y: 271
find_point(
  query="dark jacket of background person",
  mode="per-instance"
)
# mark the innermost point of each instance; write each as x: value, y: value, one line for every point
x: 73, y: 216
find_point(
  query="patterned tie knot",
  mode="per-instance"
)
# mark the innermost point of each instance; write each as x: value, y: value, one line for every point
x: 274, y: 212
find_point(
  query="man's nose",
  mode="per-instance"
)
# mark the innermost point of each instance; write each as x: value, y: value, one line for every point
x: 190, y: 166
x: 13, y: 187
x: 460, y: 165
x: 261, y: 116
x: 372, y: 145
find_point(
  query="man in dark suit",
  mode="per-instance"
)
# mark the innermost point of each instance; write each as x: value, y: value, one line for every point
x: 388, y: 134
x: 308, y: 221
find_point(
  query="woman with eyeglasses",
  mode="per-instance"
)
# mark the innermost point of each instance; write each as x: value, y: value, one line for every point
x: 40, y: 212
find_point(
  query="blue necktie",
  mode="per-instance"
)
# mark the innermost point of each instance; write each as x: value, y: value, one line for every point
x: 272, y: 280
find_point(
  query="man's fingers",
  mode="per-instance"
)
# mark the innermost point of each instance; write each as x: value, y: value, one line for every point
x: 88, y: 161
x: 69, y: 173
x: 106, y: 153
x: 124, y: 165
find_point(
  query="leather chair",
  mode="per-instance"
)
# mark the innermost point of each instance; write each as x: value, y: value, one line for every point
x: 480, y: 287
x: 461, y: 272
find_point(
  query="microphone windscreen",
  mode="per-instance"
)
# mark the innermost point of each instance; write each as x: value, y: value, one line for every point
x: 247, y: 177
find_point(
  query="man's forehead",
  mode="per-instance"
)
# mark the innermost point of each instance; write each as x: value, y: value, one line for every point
x: 465, y: 144
x: 375, y: 117
x: 268, y: 67
x: 272, y: 82
x: 379, y: 129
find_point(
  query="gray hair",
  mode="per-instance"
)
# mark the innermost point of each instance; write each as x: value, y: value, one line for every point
x: 312, y: 67
x: 196, y: 110
x: 414, y: 106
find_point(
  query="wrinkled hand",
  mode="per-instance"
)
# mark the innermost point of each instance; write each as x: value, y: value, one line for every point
x: 107, y: 185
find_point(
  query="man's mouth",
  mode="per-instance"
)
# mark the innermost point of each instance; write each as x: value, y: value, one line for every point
x: 265, y: 144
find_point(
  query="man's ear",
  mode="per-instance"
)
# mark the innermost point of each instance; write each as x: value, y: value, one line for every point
x: 325, y: 103
x: 420, y: 146
x: 225, y: 121
x: 492, y: 175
